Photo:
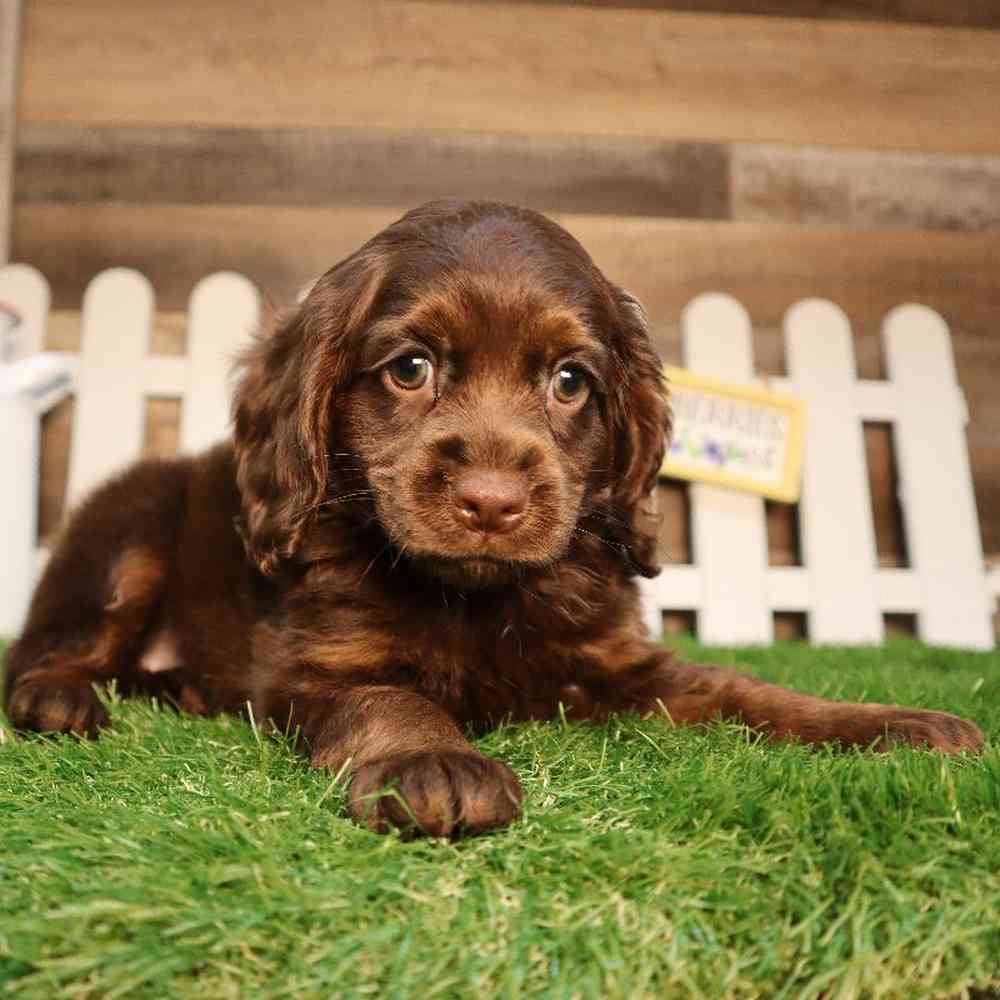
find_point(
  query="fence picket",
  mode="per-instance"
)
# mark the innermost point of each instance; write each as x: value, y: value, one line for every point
x: 838, y: 534
x: 728, y: 531
x: 939, y: 507
x: 25, y: 289
x: 224, y: 311
x: 109, y: 417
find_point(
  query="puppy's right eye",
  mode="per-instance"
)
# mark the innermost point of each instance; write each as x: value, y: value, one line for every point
x: 410, y: 371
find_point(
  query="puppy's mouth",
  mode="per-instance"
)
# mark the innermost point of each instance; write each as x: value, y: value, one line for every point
x: 470, y: 572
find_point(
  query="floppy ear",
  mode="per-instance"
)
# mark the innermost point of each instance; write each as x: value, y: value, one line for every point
x: 640, y: 423
x: 284, y: 405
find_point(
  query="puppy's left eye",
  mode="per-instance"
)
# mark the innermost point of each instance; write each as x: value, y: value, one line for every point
x: 411, y: 371
x: 570, y: 385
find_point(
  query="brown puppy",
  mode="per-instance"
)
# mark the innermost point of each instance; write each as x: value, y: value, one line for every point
x: 429, y: 519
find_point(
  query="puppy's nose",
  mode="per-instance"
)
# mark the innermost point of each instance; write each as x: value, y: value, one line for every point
x: 490, y: 501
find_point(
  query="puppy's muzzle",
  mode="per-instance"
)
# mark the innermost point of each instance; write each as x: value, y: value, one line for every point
x: 490, y: 501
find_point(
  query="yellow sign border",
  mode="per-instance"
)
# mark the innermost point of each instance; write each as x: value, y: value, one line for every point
x: 789, y: 488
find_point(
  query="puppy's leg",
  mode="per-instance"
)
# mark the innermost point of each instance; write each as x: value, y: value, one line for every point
x: 412, y: 767
x: 691, y: 693
x: 94, y: 603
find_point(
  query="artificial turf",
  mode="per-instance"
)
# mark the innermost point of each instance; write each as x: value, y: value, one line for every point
x: 189, y: 857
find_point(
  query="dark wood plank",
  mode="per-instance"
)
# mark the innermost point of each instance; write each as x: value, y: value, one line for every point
x: 958, y: 13
x: 883, y: 481
x: 574, y: 70
x: 600, y: 174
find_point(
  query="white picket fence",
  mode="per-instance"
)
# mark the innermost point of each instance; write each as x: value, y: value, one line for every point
x: 730, y: 586
x: 840, y: 586
x: 111, y: 378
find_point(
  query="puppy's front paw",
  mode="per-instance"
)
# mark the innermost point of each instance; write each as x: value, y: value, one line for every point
x: 440, y: 794
x: 53, y: 703
x: 930, y: 730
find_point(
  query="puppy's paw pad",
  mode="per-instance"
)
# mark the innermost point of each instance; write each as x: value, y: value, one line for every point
x: 56, y: 706
x: 440, y: 794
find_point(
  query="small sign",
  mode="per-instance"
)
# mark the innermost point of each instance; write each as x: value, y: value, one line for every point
x: 732, y: 434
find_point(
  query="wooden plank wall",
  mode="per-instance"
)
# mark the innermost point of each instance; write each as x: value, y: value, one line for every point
x: 10, y: 20
x: 848, y: 149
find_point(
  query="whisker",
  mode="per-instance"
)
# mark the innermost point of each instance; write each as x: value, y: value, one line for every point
x: 343, y: 498
x: 375, y: 559
x: 399, y: 555
x: 611, y: 545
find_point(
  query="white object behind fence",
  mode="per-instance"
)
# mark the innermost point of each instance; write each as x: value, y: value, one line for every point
x: 30, y: 384
x: 730, y: 585
x: 114, y: 376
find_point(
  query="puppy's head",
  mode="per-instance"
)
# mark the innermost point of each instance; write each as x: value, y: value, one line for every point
x: 471, y: 379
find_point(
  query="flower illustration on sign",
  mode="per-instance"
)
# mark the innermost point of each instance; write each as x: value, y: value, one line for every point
x: 720, y: 453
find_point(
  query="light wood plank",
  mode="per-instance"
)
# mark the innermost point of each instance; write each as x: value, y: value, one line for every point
x: 576, y: 71
x: 865, y: 188
x: 10, y: 31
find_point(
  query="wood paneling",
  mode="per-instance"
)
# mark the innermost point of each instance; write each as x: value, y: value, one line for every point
x: 169, y: 334
x: 566, y: 70
x: 865, y: 189
x: 883, y: 480
x: 594, y: 174
x: 664, y: 262
x: 57, y: 430
x: 161, y: 433
x: 986, y: 476
x: 160, y: 436
x: 10, y: 19
x: 965, y: 13
x: 176, y: 245
x: 601, y: 174
x: 673, y: 505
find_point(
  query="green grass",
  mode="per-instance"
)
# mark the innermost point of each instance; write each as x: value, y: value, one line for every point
x: 187, y: 857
